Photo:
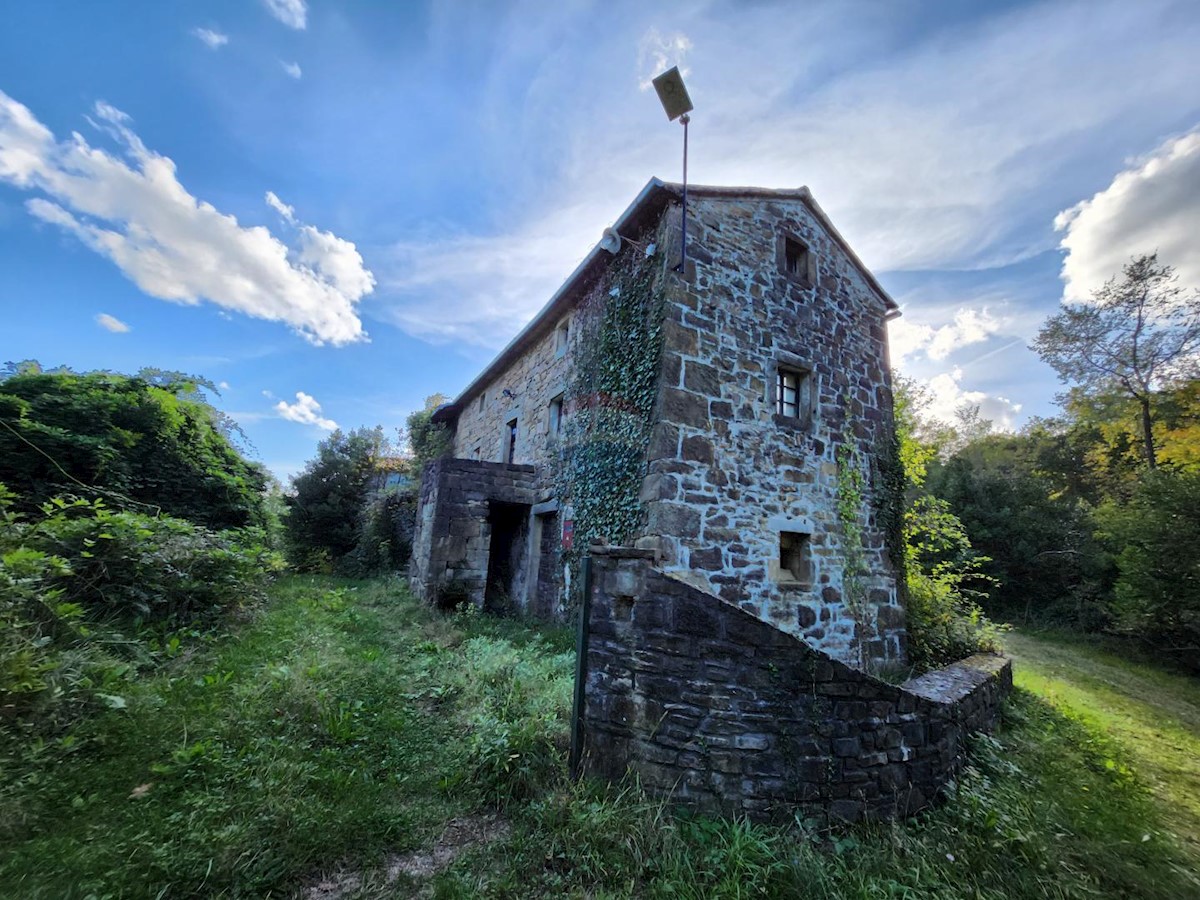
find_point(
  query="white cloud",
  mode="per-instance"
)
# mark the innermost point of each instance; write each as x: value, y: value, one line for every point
x: 947, y: 397
x: 292, y: 69
x: 969, y: 326
x: 288, y: 212
x: 658, y: 52
x: 1154, y: 205
x: 173, y: 246
x: 111, y: 323
x: 213, y: 39
x: 223, y: 385
x: 292, y: 13
x: 306, y: 410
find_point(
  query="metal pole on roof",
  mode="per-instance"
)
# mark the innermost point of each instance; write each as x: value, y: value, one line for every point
x: 683, y: 243
x: 677, y: 104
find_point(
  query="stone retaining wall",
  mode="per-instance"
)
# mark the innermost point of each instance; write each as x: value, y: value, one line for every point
x: 730, y: 715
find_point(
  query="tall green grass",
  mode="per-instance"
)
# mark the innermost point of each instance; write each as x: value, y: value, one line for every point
x: 345, y: 724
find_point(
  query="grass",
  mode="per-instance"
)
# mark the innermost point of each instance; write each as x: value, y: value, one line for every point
x: 347, y: 728
x: 1153, y: 713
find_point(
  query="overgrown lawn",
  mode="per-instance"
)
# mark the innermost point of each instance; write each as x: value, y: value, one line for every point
x: 347, y: 729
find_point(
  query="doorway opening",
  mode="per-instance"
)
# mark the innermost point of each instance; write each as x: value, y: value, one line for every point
x: 506, y: 555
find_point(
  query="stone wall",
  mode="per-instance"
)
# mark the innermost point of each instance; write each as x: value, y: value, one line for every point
x: 451, y: 547
x: 533, y: 380
x: 727, y: 474
x: 729, y: 715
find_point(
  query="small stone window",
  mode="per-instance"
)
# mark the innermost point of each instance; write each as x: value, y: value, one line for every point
x: 554, y: 422
x: 797, y: 261
x: 562, y: 336
x: 795, y: 557
x: 510, y: 451
x: 482, y: 400
x: 793, y: 390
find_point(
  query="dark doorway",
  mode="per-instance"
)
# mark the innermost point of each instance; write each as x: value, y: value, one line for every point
x: 506, y: 556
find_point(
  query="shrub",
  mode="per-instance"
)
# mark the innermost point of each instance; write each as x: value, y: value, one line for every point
x: 1155, y: 536
x: 82, y: 575
x: 152, y: 443
x: 387, y: 522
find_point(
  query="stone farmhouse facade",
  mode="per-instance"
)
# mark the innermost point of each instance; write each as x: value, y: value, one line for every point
x: 733, y: 420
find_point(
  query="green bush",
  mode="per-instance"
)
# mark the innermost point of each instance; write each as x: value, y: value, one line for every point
x: 1155, y: 536
x: 945, y: 622
x: 82, y: 582
x: 151, y: 443
x: 386, y: 524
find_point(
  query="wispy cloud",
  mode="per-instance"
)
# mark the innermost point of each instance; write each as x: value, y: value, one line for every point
x: 1154, y: 205
x: 214, y: 40
x: 292, y: 13
x: 135, y: 211
x: 292, y: 69
x: 952, y: 152
x: 111, y: 323
x: 306, y: 410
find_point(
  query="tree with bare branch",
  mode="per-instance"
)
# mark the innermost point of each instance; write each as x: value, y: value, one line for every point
x: 1137, y: 336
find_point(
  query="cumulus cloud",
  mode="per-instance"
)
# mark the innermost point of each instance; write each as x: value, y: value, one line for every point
x: 1153, y: 205
x: 292, y: 69
x: 969, y: 326
x: 214, y: 40
x: 948, y: 397
x: 111, y: 323
x: 292, y: 13
x: 306, y: 410
x: 133, y: 210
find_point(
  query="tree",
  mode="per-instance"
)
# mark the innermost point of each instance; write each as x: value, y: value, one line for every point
x: 1138, y: 335
x: 325, y: 507
x: 151, y: 444
x: 427, y: 439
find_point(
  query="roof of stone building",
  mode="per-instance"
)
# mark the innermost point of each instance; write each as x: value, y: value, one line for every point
x: 647, y: 204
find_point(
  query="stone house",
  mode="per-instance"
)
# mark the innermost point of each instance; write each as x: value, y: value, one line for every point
x: 733, y: 418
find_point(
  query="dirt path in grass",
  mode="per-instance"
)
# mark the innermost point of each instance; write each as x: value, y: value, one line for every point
x: 1154, y: 714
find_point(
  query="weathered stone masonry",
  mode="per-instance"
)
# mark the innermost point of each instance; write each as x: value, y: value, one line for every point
x: 727, y: 714
x: 729, y: 483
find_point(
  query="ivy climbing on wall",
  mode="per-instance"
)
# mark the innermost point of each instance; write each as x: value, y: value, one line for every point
x: 610, y: 402
x: 851, y: 484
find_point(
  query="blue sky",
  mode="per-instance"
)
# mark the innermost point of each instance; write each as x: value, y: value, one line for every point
x: 335, y: 209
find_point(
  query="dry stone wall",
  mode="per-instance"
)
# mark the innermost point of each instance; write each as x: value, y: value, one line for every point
x: 727, y: 475
x: 723, y: 712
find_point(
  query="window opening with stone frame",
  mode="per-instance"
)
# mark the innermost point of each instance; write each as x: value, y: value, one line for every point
x: 562, y: 335
x: 795, y: 557
x: 482, y: 400
x: 554, y: 423
x: 798, y: 262
x: 510, y: 451
x: 792, y: 389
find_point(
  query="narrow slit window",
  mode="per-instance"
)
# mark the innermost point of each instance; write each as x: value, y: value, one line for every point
x: 482, y: 400
x: 556, y: 414
x: 795, y: 557
x: 562, y: 336
x: 511, y: 450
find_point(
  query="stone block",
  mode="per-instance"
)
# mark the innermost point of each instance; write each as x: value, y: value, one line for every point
x: 684, y: 408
